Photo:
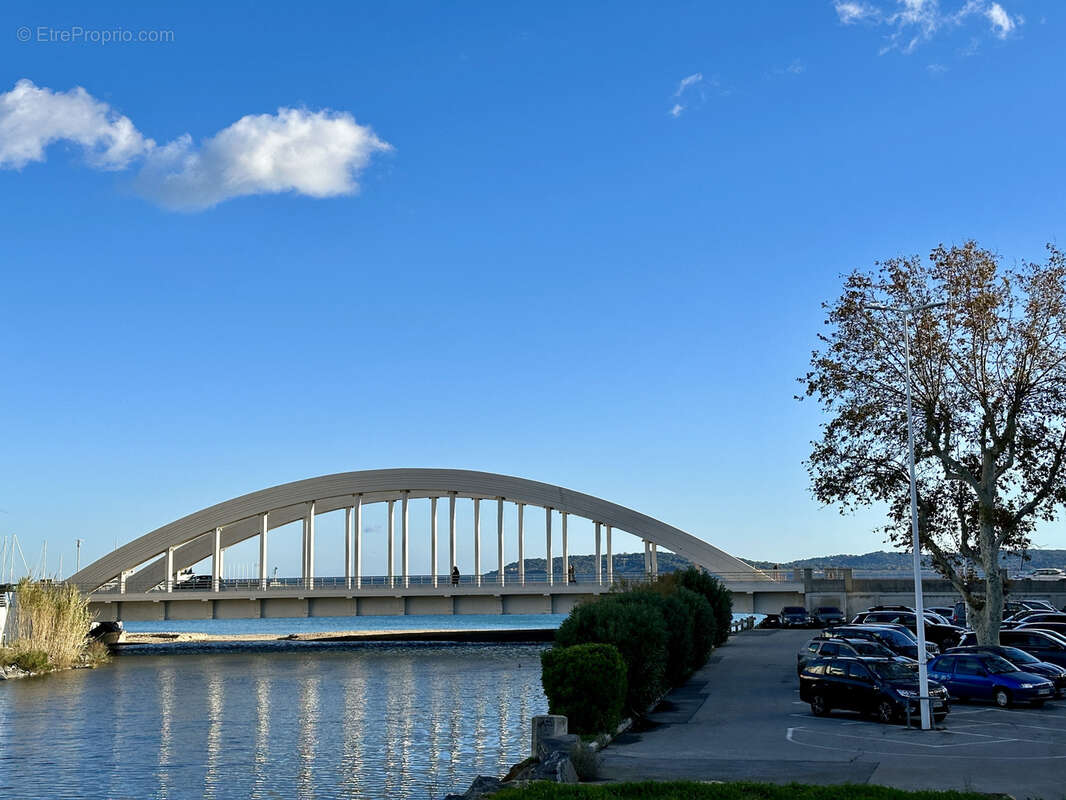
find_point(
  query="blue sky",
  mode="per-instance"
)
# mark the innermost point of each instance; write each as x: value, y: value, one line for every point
x: 582, y: 243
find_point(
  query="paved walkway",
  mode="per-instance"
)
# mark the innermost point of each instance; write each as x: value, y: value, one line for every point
x: 740, y: 718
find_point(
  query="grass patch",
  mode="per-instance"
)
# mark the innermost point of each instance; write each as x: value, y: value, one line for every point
x: 689, y: 790
x: 49, y: 620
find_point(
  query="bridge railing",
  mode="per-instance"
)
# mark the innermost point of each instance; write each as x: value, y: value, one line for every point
x: 444, y: 581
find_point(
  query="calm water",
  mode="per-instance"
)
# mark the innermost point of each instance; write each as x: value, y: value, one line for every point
x: 366, y: 721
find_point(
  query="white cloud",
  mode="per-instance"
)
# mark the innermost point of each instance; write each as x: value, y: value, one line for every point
x: 675, y: 112
x: 318, y: 154
x: 851, y: 12
x: 32, y: 118
x: 797, y: 67
x: 914, y: 22
x: 691, y: 80
x: 314, y: 153
x: 1002, y: 24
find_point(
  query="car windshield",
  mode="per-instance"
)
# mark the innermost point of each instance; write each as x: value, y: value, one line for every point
x: 897, y: 636
x: 894, y: 670
x: 1019, y: 656
x: 828, y: 610
x: 864, y: 648
x: 793, y: 610
x: 996, y: 665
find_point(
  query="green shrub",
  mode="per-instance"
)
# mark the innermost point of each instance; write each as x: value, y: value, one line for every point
x: 678, y: 623
x: 31, y: 660
x: 703, y: 625
x: 587, y: 684
x: 638, y: 632
x: 720, y: 598
x: 690, y: 790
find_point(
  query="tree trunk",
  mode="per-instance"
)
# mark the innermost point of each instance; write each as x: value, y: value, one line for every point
x: 993, y: 610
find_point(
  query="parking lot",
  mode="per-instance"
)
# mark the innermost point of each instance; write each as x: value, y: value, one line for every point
x: 741, y: 718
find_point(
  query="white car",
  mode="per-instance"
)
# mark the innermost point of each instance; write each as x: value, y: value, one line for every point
x: 1048, y: 574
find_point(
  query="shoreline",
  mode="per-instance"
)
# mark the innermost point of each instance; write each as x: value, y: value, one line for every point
x: 162, y: 639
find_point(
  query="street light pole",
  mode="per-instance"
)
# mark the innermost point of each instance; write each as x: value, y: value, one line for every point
x: 919, y: 601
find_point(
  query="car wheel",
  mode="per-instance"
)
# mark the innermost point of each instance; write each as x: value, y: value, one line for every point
x: 1002, y: 698
x: 818, y: 706
x: 886, y: 711
x: 1038, y: 704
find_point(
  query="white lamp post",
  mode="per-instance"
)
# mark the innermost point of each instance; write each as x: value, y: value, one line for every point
x: 919, y: 602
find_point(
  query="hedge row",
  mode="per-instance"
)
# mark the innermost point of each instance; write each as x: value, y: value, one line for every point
x: 660, y: 632
x: 686, y: 790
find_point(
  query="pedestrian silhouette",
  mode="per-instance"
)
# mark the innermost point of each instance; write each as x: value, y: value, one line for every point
x: 455, y: 576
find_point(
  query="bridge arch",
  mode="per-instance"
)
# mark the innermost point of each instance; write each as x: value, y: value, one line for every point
x: 199, y: 535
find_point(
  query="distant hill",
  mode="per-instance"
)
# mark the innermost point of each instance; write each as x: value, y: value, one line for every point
x: 884, y: 560
x: 632, y: 564
x: 625, y: 564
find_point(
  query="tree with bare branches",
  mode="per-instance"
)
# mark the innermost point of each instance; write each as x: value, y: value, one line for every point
x: 989, y: 401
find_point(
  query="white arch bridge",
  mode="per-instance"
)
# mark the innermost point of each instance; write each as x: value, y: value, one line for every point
x: 138, y: 581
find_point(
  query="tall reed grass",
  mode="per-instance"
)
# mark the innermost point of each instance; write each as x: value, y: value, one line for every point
x: 51, y: 618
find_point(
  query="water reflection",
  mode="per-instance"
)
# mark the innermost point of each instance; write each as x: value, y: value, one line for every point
x: 360, y: 723
x: 214, y: 734
x: 166, y: 718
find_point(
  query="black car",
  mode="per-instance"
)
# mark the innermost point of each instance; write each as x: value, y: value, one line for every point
x: 794, y: 617
x: 896, y: 638
x: 1023, y: 661
x: 941, y: 635
x: 828, y: 615
x: 1030, y: 617
x: 831, y: 648
x: 1047, y: 647
x: 1054, y: 627
x: 878, y: 686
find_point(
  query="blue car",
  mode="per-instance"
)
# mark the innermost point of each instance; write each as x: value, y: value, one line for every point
x: 985, y: 676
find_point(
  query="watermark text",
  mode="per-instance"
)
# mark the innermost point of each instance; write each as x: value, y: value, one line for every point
x: 77, y: 34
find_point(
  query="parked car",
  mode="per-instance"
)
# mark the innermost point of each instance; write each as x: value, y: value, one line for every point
x: 878, y: 686
x: 855, y: 648
x: 1023, y: 661
x: 944, y: 635
x: 897, y: 639
x: 1032, y: 617
x: 1010, y: 607
x: 794, y: 617
x: 1046, y: 646
x: 983, y: 676
x: 944, y: 611
x: 828, y: 615
x: 1054, y: 627
x: 1047, y: 574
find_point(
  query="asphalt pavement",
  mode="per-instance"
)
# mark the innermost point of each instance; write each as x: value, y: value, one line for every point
x: 740, y: 718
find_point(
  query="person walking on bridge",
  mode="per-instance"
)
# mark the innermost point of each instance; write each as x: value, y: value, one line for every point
x: 455, y: 576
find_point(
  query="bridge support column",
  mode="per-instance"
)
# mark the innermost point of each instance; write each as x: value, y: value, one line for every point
x: 521, y: 543
x: 548, y: 546
x: 263, y: 550
x: 451, y: 533
x: 216, y: 560
x: 647, y: 559
x: 610, y: 559
x: 170, y: 569
x: 599, y: 559
x: 348, y: 519
x: 309, y: 546
x: 392, y: 544
x: 566, y: 553
x: 654, y: 561
x: 404, y: 540
x: 358, y: 541
x: 499, y: 536
x: 477, y: 541
x: 433, y: 539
